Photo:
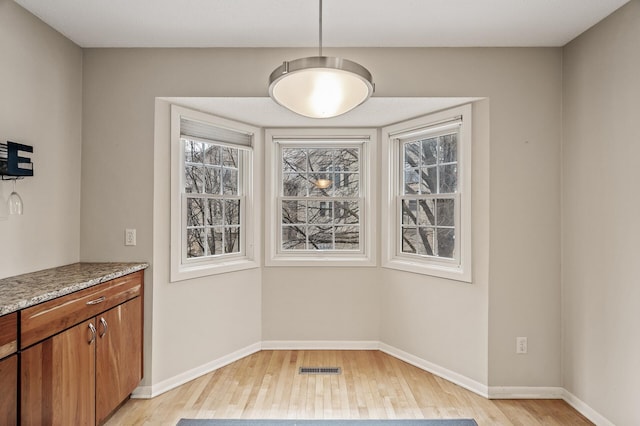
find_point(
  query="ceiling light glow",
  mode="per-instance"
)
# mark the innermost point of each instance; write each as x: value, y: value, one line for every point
x: 320, y: 86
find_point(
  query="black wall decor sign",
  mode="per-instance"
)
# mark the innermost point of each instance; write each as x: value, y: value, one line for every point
x: 12, y: 163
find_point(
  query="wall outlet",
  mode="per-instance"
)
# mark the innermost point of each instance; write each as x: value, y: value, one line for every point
x: 129, y: 237
x: 521, y: 345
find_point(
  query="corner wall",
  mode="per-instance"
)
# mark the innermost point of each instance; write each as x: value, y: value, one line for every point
x: 441, y: 321
x: 516, y: 235
x: 601, y: 212
x: 126, y: 174
x: 40, y: 105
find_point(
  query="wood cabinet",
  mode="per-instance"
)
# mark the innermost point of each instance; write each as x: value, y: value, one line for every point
x: 91, y: 357
x: 118, y: 356
x: 8, y: 370
x: 8, y: 384
x: 58, y: 379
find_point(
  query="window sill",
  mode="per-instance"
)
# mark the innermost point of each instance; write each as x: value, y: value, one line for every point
x: 320, y: 260
x: 187, y: 272
x: 455, y: 273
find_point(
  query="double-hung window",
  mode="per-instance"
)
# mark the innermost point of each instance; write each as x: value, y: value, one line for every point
x: 212, y: 200
x: 213, y: 213
x: 320, y: 198
x: 427, y: 217
x: 321, y: 207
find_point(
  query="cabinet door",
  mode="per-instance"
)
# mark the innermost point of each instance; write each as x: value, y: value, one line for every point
x: 58, y: 379
x: 8, y: 369
x: 118, y: 356
x: 9, y: 390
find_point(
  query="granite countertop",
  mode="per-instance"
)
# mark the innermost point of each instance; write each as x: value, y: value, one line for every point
x: 26, y: 290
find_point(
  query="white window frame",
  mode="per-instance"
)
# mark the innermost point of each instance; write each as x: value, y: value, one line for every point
x: 392, y: 142
x: 249, y: 185
x: 275, y: 139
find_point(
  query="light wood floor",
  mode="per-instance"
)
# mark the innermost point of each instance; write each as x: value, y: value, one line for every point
x: 372, y: 385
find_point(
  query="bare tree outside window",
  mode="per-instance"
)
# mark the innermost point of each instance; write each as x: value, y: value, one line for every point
x: 320, y: 198
x: 212, y: 199
x: 429, y: 185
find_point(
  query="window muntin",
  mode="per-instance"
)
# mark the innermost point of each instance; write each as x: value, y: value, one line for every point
x: 426, y: 192
x: 329, y: 190
x: 320, y: 198
x: 215, y: 187
x: 211, y: 198
x: 428, y: 200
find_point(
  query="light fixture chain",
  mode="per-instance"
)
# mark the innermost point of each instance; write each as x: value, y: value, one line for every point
x: 320, y: 28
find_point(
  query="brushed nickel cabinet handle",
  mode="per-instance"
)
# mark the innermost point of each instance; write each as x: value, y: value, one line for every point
x: 96, y: 301
x: 105, y: 327
x: 93, y: 333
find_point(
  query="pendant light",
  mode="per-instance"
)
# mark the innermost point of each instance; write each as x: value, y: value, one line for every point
x: 320, y: 86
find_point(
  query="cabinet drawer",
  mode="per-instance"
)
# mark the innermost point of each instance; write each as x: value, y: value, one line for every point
x: 8, y: 334
x: 46, y: 319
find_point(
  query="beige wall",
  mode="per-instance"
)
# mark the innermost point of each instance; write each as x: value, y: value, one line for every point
x: 441, y: 321
x: 516, y: 247
x: 40, y: 105
x: 201, y: 320
x: 321, y: 304
x: 517, y: 288
x: 126, y: 144
x: 601, y: 212
x: 521, y: 244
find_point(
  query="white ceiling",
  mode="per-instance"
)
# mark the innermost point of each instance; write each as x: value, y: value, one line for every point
x: 346, y: 23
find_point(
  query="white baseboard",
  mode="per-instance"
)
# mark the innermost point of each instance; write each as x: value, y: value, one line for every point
x: 452, y: 376
x: 145, y: 392
x: 525, y: 392
x: 585, y: 410
x: 493, y: 392
x: 345, y: 345
x: 142, y: 392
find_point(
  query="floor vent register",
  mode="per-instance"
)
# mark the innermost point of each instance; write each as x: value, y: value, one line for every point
x: 320, y: 370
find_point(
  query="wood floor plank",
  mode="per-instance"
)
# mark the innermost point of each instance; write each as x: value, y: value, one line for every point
x: 372, y: 385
